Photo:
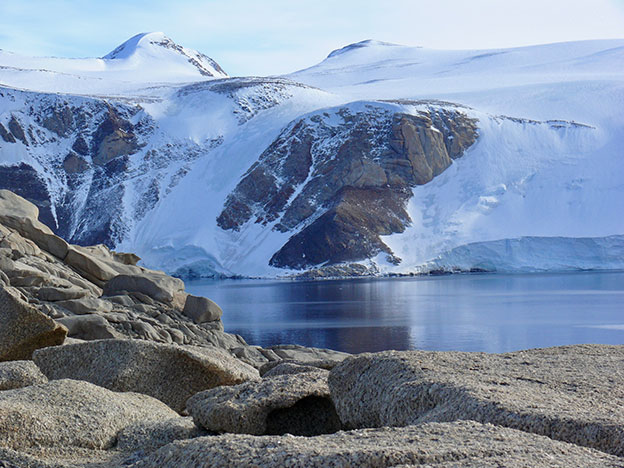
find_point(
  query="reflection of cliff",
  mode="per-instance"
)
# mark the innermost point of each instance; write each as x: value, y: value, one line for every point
x: 350, y: 316
x: 490, y: 313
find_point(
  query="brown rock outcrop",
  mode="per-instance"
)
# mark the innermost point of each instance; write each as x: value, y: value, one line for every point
x: 343, y: 185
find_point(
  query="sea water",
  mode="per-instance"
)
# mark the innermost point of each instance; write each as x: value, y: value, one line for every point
x: 472, y: 312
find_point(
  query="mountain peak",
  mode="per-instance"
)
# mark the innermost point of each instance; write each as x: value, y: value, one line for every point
x: 360, y: 45
x: 156, y: 45
x: 139, y: 42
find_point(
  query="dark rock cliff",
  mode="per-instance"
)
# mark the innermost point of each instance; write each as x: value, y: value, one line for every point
x: 340, y: 179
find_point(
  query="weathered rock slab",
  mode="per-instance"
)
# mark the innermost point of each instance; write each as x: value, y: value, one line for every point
x: 201, y: 309
x: 569, y: 393
x: 21, y: 215
x: 70, y: 413
x: 168, y: 372
x: 89, y: 327
x: 295, y: 403
x: 155, y: 285
x: 457, y: 444
x: 317, y: 357
x: 148, y: 436
x: 24, y: 328
x: 86, y: 305
x: 18, y: 374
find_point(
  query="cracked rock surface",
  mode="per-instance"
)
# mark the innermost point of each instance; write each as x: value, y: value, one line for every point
x: 569, y: 393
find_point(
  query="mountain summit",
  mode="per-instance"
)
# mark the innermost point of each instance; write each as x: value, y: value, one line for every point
x: 130, y: 69
x: 155, y: 45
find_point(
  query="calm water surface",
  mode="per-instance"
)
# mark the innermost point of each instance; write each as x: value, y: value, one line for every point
x: 489, y: 312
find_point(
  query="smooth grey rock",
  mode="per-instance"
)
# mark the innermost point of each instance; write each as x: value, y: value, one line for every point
x: 24, y: 328
x: 168, y: 372
x: 52, y: 294
x: 86, y: 305
x: 201, y: 309
x: 121, y: 300
x: 149, y: 436
x: 146, y: 331
x: 457, y: 444
x: 17, y: 374
x: 4, y: 279
x: 157, y: 286
x: 88, y: 265
x: 21, y: 215
x: 89, y: 327
x: 296, y: 404
x: 72, y: 413
x: 569, y: 393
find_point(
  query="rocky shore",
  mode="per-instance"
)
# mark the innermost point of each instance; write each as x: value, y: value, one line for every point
x: 104, y: 363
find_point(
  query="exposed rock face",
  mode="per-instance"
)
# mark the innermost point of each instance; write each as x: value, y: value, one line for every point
x: 17, y: 374
x: 24, y: 329
x: 458, y: 444
x: 297, y: 404
x: 170, y: 373
x: 570, y: 393
x: 112, y: 138
x: 71, y: 413
x: 339, y: 186
x: 79, y: 192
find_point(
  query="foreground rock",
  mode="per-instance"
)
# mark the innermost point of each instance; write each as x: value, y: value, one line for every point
x: 458, y: 444
x: 167, y: 372
x: 100, y: 294
x: 570, y: 393
x: 21, y: 215
x: 18, y: 374
x: 24, y: 328
x: 150, y: 435
x: 70, y: 413
x: 297, y: 404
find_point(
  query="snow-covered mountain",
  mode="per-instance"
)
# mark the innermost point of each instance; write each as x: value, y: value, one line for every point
x: 382, y: 158
x: 145, y: 58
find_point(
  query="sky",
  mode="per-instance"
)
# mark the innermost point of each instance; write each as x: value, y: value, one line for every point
x: 253, y: 37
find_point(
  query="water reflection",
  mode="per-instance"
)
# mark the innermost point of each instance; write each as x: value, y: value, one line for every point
x: 493, y: 313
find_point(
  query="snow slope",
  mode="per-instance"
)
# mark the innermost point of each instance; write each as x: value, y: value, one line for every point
x: 545, y: 173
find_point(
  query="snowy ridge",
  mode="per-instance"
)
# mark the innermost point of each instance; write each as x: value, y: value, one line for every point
x: 131, y: 69
x: 144, y: 146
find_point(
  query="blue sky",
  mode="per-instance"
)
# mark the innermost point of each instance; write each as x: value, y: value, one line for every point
x: 250, y: 37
